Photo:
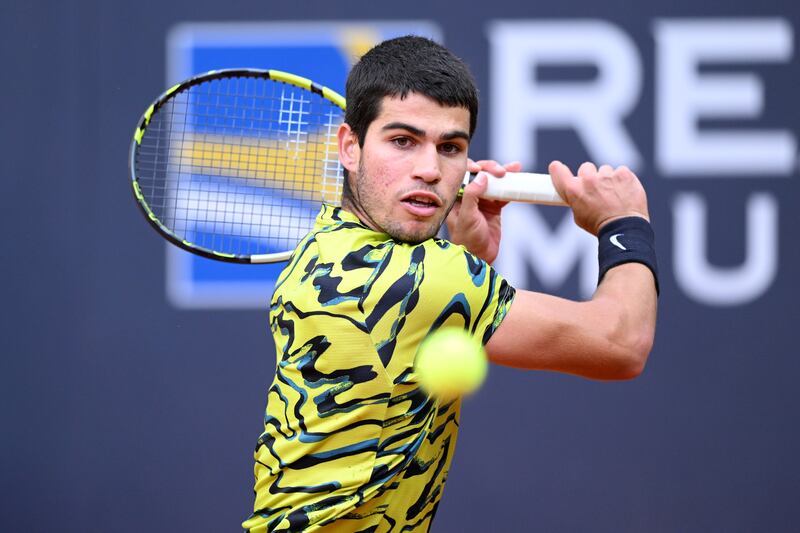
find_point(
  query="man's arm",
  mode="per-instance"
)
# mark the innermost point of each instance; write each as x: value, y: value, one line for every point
x: 608, y: 337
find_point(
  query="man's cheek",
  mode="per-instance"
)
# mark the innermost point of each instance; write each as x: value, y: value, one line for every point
x: 383, y: 176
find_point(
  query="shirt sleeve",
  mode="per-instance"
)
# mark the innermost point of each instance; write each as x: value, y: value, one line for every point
x: 466, y: 290
x: 424, y: 287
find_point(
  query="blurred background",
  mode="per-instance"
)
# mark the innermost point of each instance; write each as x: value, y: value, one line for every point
x: 133, y: 377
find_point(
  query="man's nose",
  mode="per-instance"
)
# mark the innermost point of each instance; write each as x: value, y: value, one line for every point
x: 427, y: 165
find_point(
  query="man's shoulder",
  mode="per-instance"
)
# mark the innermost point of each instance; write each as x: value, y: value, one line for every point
x: 444, y: 263
x: 339, y: 236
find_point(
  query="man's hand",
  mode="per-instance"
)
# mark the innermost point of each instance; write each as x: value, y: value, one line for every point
x: 475, y: 222
x: 598, y: 196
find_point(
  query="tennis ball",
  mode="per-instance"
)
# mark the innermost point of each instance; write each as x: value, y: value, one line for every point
x: 450, y: 363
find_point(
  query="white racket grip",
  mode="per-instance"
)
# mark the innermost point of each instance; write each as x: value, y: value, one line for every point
x: 520, y: 187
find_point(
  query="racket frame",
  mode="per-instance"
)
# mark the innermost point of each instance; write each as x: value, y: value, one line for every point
x: 270, y: 74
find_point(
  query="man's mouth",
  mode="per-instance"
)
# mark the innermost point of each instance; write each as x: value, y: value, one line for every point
x: 422, y: 199
x: 420, y: 202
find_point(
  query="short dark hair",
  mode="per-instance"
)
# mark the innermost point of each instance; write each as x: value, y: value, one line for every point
x: 404, y: 65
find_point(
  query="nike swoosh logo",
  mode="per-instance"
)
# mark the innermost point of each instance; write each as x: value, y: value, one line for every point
x: 615, y: 241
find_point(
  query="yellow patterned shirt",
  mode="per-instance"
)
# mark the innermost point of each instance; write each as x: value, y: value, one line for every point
x: 350, y: 442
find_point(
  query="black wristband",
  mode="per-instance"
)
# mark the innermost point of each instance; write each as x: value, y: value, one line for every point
x: 627, y: 240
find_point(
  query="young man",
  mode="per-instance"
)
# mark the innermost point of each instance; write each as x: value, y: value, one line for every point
x: 350, y: 441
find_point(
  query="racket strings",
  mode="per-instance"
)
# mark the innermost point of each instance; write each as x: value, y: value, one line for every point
x: 240, y: 165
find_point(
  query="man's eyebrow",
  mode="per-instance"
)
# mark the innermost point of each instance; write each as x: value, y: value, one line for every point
x: 457, y: 134
x: 404, y: 126
x: 450, y: 135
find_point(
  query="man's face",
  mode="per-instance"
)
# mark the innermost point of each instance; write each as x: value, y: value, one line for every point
x: 406, y: 176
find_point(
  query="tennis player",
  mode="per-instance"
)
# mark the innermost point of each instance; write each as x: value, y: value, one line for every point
x: 350, y: 442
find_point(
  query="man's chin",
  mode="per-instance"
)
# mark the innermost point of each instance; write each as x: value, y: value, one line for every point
x: 413, y: 236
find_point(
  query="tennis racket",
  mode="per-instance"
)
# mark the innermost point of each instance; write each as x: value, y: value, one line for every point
x: 234, y: 164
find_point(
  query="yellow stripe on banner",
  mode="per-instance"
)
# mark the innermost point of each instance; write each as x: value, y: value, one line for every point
x: 358, y: 40
x: 298, y: 167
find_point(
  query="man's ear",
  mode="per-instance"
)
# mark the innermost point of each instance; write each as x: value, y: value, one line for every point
x: 349, y: 150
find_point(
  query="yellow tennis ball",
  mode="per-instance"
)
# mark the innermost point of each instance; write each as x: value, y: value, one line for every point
x: 451, y: 363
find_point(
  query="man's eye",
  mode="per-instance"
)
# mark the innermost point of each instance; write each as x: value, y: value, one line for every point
x: 402, y: 142
x: 449, y: 148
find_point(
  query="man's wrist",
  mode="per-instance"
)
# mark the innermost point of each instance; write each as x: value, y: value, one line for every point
x: 627, y: 240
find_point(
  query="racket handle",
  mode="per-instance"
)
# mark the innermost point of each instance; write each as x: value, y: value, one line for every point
x: 520, y: 187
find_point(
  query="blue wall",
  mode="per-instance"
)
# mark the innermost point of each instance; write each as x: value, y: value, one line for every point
x: 123, y: 413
